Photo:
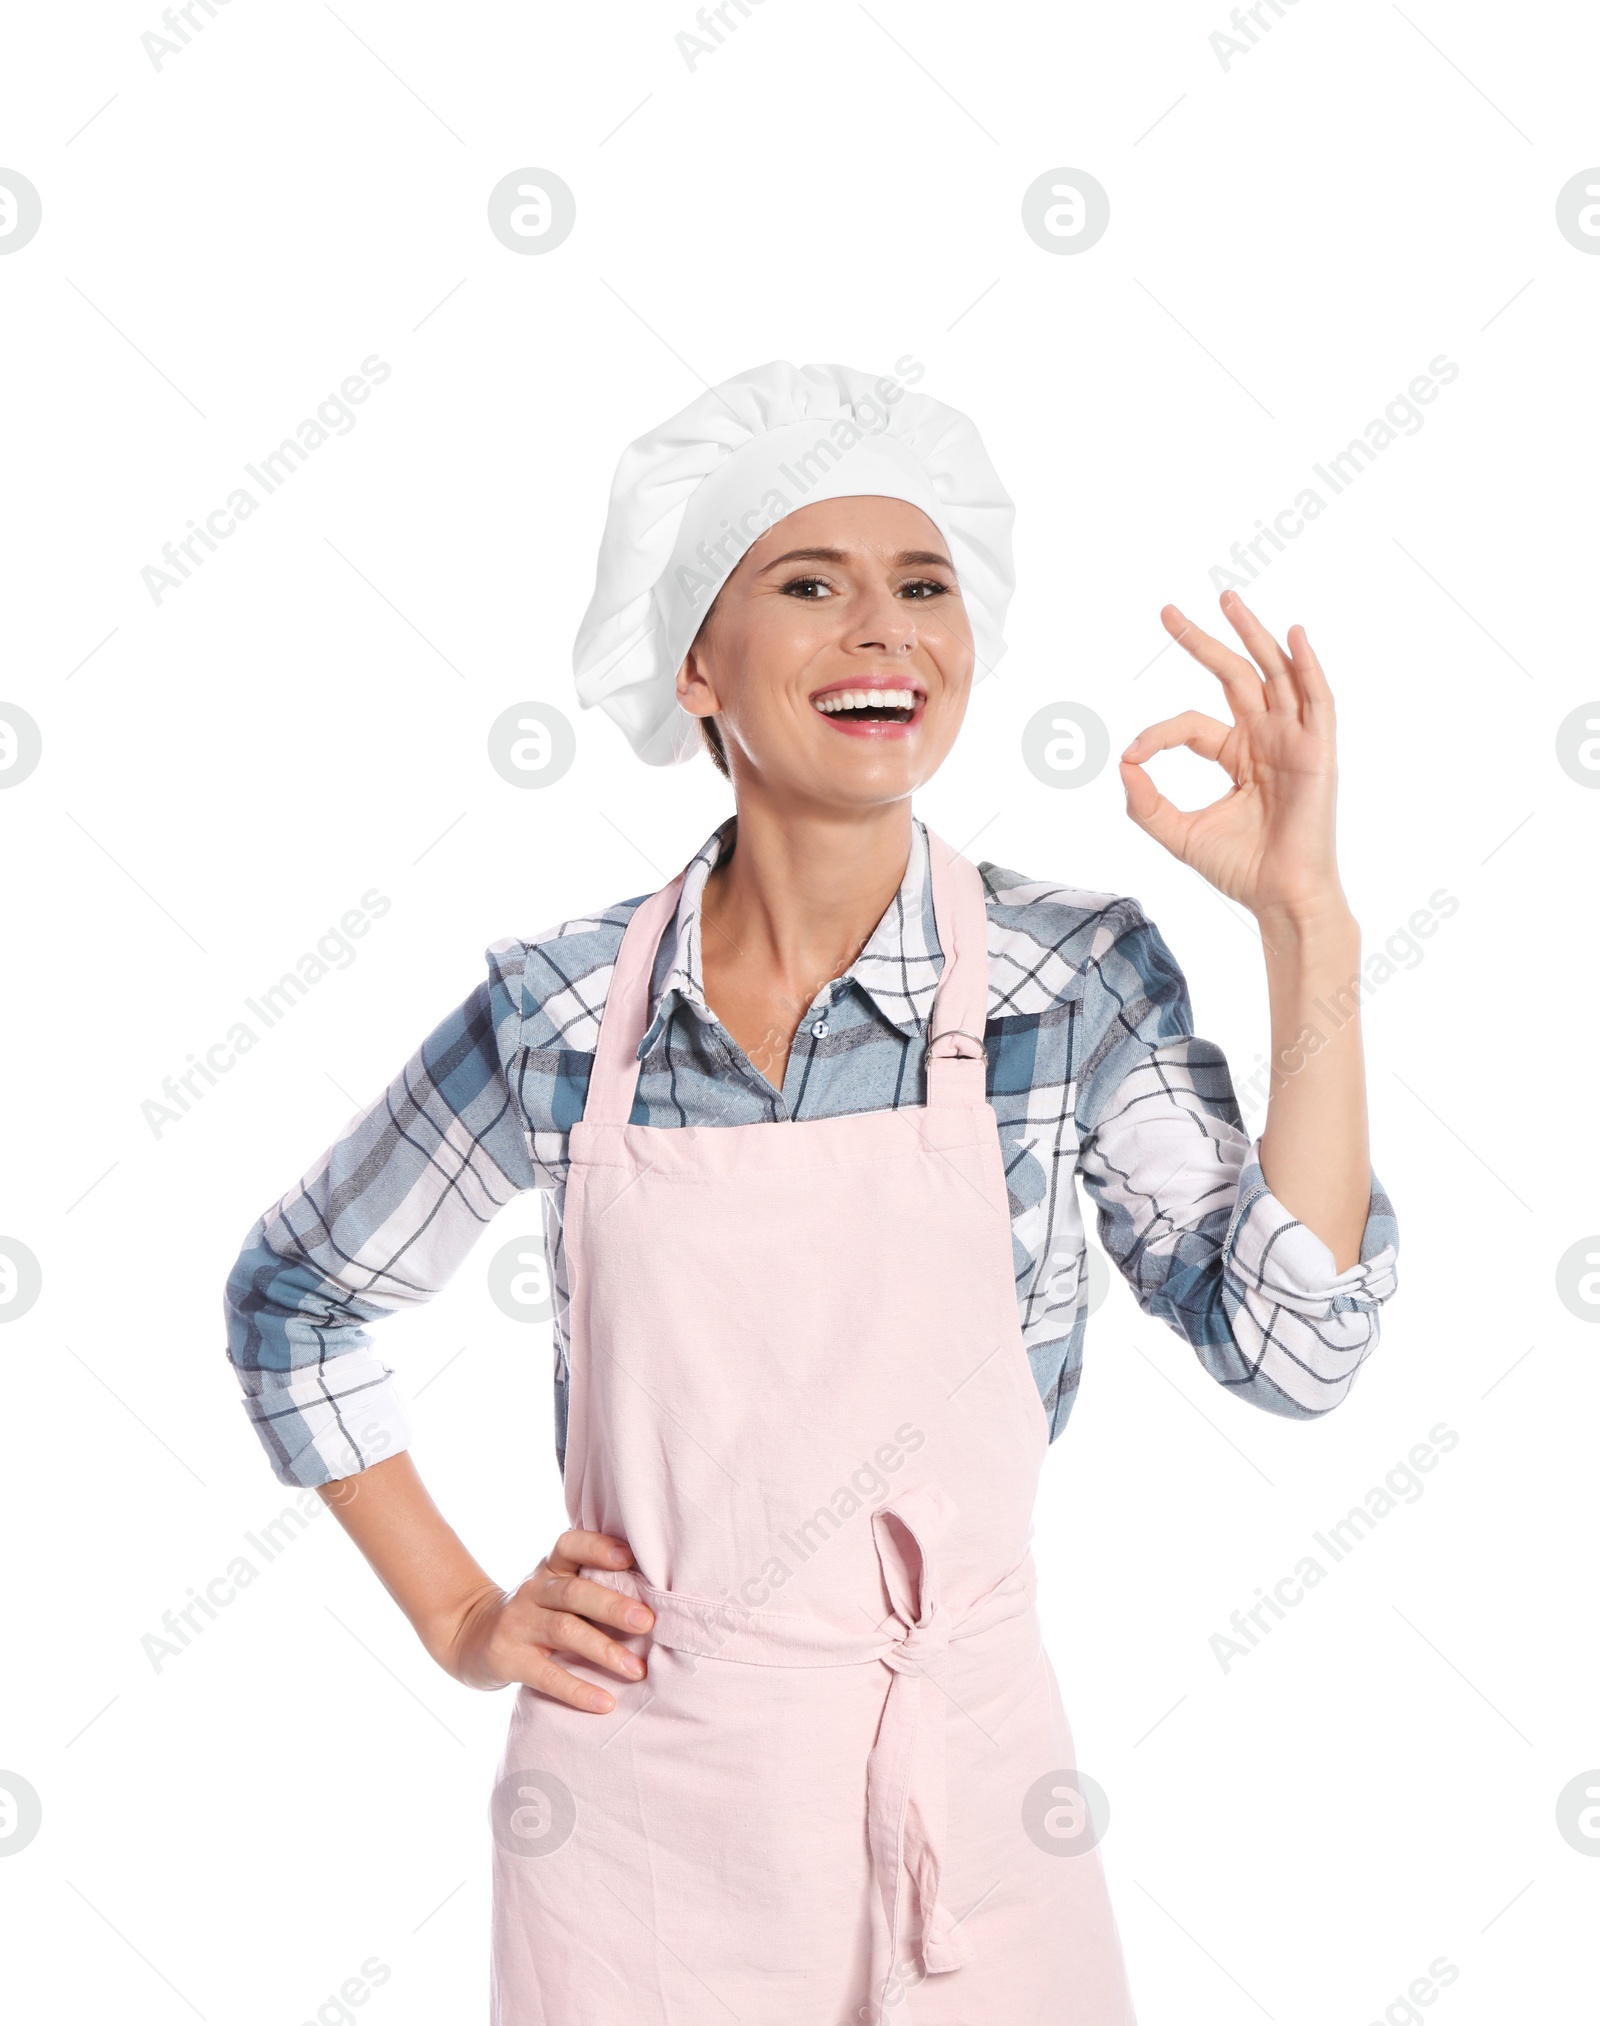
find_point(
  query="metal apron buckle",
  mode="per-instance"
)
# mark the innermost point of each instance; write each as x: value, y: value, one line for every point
x: 983, y: 1046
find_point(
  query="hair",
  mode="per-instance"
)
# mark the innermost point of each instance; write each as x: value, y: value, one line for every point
x: 711, y: 738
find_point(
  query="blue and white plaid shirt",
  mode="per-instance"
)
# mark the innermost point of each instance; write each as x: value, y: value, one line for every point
x: 1093, y: 1071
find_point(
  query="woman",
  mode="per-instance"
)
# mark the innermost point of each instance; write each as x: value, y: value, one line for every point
x: 786, y: 1746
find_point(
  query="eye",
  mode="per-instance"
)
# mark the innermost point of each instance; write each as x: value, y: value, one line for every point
x: 925, y: 585
x: 799, y: 586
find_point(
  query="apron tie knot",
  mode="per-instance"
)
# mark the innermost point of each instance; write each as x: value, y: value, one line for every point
x: 906, y: 1769
x: 923, y: 1641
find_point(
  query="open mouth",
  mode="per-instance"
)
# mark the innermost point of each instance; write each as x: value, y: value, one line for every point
x: 853, y: 707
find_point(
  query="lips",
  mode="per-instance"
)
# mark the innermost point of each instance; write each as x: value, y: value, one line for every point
x: 871, y: 709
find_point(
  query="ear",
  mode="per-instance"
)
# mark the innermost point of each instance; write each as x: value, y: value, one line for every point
x: 693, y: 686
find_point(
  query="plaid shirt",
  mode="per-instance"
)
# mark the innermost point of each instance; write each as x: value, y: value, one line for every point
x: 1093, y: 1072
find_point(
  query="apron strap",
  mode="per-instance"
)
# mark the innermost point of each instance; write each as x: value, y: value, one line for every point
x: 956, y: 1051
x: 615, y: 1075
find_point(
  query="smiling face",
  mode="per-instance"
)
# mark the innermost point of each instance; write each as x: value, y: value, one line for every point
x: 837, y: 658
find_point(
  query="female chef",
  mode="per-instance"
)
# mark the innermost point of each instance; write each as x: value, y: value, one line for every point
x: 786, y: 1747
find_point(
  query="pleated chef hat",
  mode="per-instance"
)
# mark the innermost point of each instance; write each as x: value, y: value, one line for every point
x: 690, y: 497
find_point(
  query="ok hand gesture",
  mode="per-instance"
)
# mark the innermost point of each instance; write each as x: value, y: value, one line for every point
x: 1268, y: 843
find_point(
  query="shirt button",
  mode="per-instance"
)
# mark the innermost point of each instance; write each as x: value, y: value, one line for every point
x: 819, y: 1028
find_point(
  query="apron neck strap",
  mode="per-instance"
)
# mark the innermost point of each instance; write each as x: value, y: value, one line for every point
x: 954, y: 1046
x: 615, y: 1075
x: 956, y: 1053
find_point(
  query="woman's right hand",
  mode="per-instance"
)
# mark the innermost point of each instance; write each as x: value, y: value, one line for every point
x: 513, y: 1635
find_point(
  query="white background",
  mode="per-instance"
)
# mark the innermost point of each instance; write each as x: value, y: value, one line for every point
x: 1293, y: 238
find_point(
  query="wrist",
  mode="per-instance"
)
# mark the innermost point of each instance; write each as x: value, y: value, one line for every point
x: 1317, y: 922
x: 455, y: 1632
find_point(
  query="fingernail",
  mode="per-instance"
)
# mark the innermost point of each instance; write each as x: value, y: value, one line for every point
x: 634, y: 1666
x: 639, y: 1618
x: 600, y: 1700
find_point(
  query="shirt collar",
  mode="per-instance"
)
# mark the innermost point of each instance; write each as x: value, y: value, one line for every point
x: 898, y: 969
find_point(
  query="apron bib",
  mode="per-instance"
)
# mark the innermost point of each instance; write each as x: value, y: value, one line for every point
x: 799, y: 1391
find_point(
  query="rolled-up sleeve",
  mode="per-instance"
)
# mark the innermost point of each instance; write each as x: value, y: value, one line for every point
x: 1183, y: 1207
x: 380, y: 1222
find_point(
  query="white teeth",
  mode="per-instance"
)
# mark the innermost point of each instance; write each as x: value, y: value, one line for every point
x: 863, y: 699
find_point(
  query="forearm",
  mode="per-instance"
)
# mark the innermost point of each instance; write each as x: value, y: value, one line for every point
x: 414, y: 1551
x: 1314, y: 1148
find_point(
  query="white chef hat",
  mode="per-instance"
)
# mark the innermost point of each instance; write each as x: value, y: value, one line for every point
x: 690, y: 497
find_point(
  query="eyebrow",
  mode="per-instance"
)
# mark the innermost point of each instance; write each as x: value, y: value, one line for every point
x: 900, y: 561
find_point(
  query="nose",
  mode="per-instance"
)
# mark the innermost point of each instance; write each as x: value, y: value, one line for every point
x: 885, y: 624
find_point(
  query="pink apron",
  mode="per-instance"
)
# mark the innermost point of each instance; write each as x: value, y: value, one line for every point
x: 843, y: 1793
